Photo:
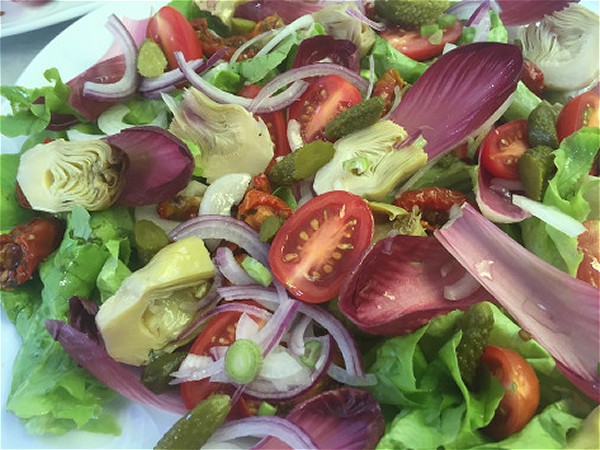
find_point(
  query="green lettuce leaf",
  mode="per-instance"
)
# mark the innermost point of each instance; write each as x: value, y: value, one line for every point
x: 385, y: 56
x: 567, y: 191
x: 429, y: 406
x: 49, y: 391
x: 11, y: 214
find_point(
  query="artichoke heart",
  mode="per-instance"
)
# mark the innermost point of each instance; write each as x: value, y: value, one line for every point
x: 58, y: 175
x: 231, y: 140
x: 155, y: 303
x: 368, y: 164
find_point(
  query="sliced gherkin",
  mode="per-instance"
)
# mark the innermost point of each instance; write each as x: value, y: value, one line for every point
x: 58, y: 175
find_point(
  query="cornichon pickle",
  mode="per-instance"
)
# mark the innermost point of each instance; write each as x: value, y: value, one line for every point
x: 157, y: 374
x: 148, y: 238
x: 535, y: 167
x: 355, y: 118
x: 302, y: 163
x: 269, y: 228
x: 197, y: 426
x: 151, y: 61
x: 476, y: 324
x: 541, y: 126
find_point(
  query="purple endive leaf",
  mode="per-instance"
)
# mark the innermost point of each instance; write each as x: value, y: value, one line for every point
x: 459, y: 94
x: 562, y: 313
x: 159, y: 164
x: 288, y: 10
x: 346, y: 418
x: 399, y: 286
x: 92, y: 356
x: 317, y: 48
x: 524, y: 12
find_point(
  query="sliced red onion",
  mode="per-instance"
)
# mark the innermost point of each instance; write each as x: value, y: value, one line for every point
x: 169, y: 80
x: 197, y: 367
x: 275, y: 328
x: 397, y: 286
x: 463, y: 288
x: 92, y: 356
x: 297, y: 333
x: 482, y: 28
x: 465, y: 9
x: 459, y: 93
x: 275, y: 387
x: 524, y: 12
x: 224, y: 227
x: 263, y: 426
x: 250, y: 42
x: 279, y: 101
x: 371, y: 77
x: 479, y: 14
x: 305, y: 21
x: 495, y: 202
x: 377, y: 26
x: 562, y: 313
x: 328, y: 321
x: 128, y: 83
x: 159, y: 164
x: 340, y: 419
x: 230, y: 268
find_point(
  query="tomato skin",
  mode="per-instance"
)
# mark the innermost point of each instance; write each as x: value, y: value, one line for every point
x: 501, y: 149
x: 325, y: 98
x: 275, y: 122
x: 320, y: 244
x: 417, y: 47
x: 581, y: 111
x: 522, y: 391
x: 172, y: 31
x: 532, y: 77
x: 386, y: 85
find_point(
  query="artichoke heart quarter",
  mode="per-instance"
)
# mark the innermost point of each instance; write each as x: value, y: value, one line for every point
x: 155, y: 303
x: 60, y: 174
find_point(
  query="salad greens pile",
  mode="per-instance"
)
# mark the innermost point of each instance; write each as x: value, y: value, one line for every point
x: 413, y: 373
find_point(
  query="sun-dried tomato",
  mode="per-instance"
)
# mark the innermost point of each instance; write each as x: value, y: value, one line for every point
x: 180, y: 208
x: 258, y: 205
x: 22, y: 250
x: 385, y: 87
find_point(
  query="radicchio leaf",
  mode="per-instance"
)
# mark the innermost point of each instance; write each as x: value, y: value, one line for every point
x: 92, y: 356
x: 459, y: 94
x: 317, y: 48
x: 524, y: 12
x: 346, y: 418
x: 562, y: 313
x: 399, y: 286
x: 160, y: 165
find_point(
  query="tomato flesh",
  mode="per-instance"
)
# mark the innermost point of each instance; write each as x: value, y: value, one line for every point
x: 410, y: 42
x: 320, y: 244
x: 522, y: 391
x: 325, y: 98
x: 502, y: 147
x: 172, y: 31
x: 588, y: 243
x: 581, y: 111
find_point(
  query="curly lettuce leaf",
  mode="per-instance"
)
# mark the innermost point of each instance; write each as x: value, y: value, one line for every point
x: 420, y: 387
x: 567, y: 191
x: 11, y: 214
x: 49, y: 391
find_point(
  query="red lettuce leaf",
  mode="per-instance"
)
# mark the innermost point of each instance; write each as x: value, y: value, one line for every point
x: 459, y: 94
x: 317, y: 48
x: 159, y: 164
x: 399, y: 286
x: 345, y: 418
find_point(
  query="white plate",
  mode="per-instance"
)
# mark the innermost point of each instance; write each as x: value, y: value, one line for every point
x: 84, y: 42
x: 19, y: 18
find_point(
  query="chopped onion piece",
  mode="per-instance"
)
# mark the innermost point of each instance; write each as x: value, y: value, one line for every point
x: 128, y: 84
x: 551, y: 215
x: 545, y: 301
x: 305, y: 21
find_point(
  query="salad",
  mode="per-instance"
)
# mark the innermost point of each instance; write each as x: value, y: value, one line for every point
x: 310, y: 225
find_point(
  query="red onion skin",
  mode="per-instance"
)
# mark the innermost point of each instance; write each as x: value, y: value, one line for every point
x: 398, y: 286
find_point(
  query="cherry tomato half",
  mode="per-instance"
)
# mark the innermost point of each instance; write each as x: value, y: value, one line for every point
x: 589, y: 244
x: 502, y: 147
x: 172, y: 31
x: 220, y: 330
x: 581, y: 111
x: 417, y: 47
x: 324, y: 99
x: 320, y: 244
x: 533, y: 77
x: 522, y: 391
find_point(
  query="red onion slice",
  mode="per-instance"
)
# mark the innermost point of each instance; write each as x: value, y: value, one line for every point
x: 562, y: 313
x: 230, y: 268
x: 128, y: 83
x: 227, y: 228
